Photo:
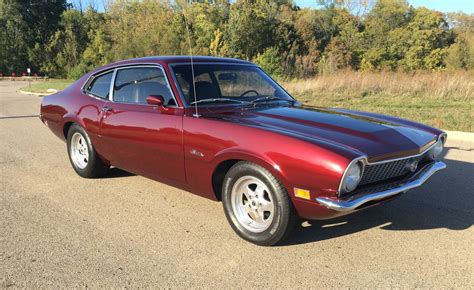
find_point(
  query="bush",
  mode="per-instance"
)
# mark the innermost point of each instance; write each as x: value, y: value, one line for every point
x: 270, y: 61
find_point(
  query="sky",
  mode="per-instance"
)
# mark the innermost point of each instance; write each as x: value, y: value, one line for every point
x: 466, y: 6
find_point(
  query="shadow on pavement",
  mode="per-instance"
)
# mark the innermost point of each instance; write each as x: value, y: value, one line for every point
x: 115, y: 172
x: 445, y: 201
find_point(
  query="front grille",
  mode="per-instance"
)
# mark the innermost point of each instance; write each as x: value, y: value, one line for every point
x: 383, y: 171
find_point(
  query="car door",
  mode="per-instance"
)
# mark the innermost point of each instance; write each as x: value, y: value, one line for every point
x: 97, y: 91
x: 142, y: 138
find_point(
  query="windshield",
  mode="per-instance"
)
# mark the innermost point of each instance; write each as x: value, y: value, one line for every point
x: 227, y: 83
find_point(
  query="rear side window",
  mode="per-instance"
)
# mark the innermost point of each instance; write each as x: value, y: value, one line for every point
x: 100, y: 86
x: 134, y: 85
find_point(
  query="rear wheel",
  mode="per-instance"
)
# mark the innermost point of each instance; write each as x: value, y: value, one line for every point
x: 82, y: 155
x: 257, y: 205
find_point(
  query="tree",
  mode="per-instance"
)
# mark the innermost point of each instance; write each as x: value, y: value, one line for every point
x: 28, y: 25
x: 42, y: 19
x: 460, y: 54
x: 337, y: 56
x: 146, y: 28
x: 250, y: 27
x: 205, y: 19
x: 428, y: 36
x: 13, y: 38
x: 67, y: 45
x: 287, y: 40
x: 387, y: 17
x: 270, y: 61
x: 218, y: 46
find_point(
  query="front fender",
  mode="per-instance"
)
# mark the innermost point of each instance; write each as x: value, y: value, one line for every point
x: 246, y: 155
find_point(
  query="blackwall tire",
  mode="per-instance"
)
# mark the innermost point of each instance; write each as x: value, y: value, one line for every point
x: 82, y: 154
x: 257, y: 205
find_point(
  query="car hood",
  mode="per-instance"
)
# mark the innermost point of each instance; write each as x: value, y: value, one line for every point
x: 376, y: 136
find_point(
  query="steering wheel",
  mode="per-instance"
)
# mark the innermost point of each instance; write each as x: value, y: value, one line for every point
x: 249, y: 91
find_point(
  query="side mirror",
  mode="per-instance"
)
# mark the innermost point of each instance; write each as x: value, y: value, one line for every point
x: 154, y: 100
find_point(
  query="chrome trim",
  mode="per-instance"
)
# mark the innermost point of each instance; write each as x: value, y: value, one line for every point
x: 140, y: 66
x: 91, y: 79
x: 362, y: 160
x: 352, y: 205
x: 406, y: 157
x: 443, y: 136
x: 211, y: 62
x: 111, y: 88
x: 124, y: 66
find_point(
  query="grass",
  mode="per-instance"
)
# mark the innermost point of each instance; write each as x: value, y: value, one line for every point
x: 43, y: 86
x: 441, y: 99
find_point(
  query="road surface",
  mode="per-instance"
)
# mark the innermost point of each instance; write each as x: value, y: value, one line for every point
x: 58, y: 229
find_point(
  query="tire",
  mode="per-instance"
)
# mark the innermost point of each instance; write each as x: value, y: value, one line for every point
x: 257, y: 205
x: 82, y: 155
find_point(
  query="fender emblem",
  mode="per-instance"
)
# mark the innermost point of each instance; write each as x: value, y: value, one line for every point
x: 197, y: 153
x: 412, y: 166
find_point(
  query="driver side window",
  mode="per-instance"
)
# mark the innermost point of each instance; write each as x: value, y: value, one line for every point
x: 134, y: 85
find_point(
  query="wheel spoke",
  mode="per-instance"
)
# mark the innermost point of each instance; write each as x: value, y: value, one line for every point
x: 260, y: 217
x: 252, y: 203
x: 260, y: 190
x: 266, y: 206
x: 79, y: 151
x: 247, y: 192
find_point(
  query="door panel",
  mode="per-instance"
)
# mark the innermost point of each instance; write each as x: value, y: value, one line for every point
x: 145, y: 140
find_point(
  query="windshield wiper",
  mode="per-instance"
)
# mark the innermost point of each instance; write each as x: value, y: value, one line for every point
x: 219, y: 100
x: 270, y: 98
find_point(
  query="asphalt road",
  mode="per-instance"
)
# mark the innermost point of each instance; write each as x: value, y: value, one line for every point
x: 58, y: 229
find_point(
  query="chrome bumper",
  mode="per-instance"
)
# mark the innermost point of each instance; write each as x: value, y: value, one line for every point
x: 352, y: 204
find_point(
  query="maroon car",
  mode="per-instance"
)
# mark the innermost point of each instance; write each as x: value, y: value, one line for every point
x: 223, y: 129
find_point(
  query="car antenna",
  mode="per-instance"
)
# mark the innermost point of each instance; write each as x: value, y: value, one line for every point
x: 196, y: 114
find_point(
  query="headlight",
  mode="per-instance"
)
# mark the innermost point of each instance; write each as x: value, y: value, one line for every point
x: 436, y: 151
x: 352, y: 177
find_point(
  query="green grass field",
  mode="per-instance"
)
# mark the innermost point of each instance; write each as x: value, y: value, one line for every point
x: 43, y: 86
x: 444, y: 99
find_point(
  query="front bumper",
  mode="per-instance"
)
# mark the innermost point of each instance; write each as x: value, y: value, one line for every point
x: 358, y: 201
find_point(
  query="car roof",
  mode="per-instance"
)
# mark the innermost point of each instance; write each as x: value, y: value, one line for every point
x: 170, y: 59
x: 187, y: 58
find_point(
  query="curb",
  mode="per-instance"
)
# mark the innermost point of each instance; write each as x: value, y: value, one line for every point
x: 462, y: 136
x: 35, y: 94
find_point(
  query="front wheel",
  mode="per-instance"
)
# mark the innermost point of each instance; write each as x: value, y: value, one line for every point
x: 82, y: 155
x: 257, y: 205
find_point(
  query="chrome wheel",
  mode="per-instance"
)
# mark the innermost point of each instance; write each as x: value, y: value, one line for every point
x: 79, y: 151
x: 252, y: 204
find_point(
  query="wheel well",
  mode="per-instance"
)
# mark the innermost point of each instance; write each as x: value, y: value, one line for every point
x: 66, y: 128
x: 219, y: 174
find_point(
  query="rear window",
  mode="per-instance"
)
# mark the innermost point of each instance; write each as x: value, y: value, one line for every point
x: 100, y: 86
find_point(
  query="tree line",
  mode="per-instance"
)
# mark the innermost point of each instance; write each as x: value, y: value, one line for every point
x: 58, y: 39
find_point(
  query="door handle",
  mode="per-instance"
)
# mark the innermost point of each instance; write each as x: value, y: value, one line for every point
x: 106, y: 109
